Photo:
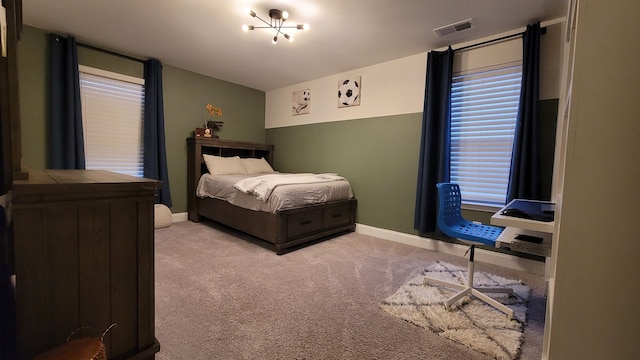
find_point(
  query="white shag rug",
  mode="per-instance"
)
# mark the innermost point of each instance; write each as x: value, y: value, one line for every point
x: 471, y: 322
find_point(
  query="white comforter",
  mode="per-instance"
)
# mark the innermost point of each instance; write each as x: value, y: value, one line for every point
x: 282, y: 197
x: 262, y: 186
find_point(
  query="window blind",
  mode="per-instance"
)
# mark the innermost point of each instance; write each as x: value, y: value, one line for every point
x: 484, y: 109
x: 112, y: 115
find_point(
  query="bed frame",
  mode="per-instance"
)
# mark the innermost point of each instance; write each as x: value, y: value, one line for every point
x: 285, y: 229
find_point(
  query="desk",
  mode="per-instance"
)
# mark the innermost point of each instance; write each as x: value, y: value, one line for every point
x: 515, y: 226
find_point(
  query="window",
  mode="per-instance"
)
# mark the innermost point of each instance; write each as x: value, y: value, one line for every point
x: 484, y: 108
x: 112, y: 115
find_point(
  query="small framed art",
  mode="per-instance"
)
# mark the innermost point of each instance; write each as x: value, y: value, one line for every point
x: 349, y: 91
x: 301, y: 102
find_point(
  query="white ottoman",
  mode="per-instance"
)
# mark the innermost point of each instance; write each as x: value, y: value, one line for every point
x: 162, y: 217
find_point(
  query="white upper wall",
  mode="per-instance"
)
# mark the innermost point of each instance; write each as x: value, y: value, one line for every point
x: 390, y: 88
x: 397, y: 87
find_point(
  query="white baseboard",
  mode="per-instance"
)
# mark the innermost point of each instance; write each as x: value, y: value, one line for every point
x: 491, y: 257
x: 177, y: 217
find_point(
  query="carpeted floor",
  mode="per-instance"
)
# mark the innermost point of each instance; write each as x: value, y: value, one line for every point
x: 222, y: 295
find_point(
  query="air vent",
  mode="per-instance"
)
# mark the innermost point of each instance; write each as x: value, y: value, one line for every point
x: 454, y: 28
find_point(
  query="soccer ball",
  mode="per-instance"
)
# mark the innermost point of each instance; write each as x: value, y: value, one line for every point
x: 349, y: 93
x: 301, y: 102
x: 306, y: 96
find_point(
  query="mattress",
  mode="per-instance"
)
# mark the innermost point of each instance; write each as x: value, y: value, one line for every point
x: 282, y: 197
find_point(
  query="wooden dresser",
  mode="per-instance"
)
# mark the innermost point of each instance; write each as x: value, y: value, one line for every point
x: 84, y: 257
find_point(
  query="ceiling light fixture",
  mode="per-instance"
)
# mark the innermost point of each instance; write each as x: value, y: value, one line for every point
x: 278, y: 18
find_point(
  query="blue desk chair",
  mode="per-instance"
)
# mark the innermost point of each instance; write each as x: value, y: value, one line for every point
x: 451, y: 223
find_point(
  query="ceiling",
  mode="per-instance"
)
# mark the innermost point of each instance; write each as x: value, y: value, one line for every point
x: 205, y: 36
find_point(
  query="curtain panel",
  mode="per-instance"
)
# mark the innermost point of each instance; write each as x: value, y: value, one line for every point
x: 66, y: 143
x: 435, y: 143
x: 524, y: 176
x: 155, y: 158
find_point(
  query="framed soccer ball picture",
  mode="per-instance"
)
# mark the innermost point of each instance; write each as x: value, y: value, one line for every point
x: 301, y: 102
x: 349, y: 91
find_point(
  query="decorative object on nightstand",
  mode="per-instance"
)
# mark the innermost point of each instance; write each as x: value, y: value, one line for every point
x: 213, y: 125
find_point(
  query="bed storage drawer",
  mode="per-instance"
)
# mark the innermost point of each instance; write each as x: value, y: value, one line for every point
x: 322, y: 218
x: 304, y: 223
x: 336, y: 215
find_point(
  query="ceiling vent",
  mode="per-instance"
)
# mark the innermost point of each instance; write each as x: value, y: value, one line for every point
x: 454, y: 28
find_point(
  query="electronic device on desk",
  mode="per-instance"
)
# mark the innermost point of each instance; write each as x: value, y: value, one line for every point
x: 539, y: 211
x: 529, y: 238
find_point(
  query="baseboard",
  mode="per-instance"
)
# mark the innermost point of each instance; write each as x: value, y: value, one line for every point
x: 178, y: 217
x: 491, y: 257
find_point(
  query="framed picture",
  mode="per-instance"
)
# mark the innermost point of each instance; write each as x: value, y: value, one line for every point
x: 301, y: 102
x: 349, y: 91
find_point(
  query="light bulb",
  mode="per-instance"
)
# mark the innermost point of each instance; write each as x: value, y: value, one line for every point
x: 285, y: 15
x: 245, y: 27
x: 305, y: 27
x: 274, y: 40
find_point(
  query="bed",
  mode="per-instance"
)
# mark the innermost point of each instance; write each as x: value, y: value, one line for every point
x: 282, y: 228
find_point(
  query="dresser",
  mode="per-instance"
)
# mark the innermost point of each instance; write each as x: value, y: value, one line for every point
x: 84, y: 257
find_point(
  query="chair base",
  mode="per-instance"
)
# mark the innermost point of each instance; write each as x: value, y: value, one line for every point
x: 468, y: 289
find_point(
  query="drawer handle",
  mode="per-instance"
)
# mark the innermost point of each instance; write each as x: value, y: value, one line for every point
x: 306, y: 222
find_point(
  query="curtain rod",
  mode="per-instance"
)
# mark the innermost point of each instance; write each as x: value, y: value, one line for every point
x: 489, y: 41
x: 542, y: 31
x: 110, y: 52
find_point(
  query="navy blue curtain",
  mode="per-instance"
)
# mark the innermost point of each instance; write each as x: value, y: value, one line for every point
x: 66, y: 143
x: 524, y: 178
x: 435, y: 144
x: 155, y: 158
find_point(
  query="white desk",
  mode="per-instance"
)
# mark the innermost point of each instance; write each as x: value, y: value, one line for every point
x: 520, y: 226
x: 515, y: 226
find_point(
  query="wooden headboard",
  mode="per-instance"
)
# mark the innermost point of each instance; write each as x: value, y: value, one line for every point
x: 196, y: 146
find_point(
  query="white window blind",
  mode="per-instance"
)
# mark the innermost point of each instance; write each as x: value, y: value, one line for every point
x: 484, y: 108
x: 112, y: 116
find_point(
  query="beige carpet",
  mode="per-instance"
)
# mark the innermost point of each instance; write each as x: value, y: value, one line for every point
x: 221, y: 295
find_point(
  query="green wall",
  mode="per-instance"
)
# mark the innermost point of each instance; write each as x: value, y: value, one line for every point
x: 379, y: 157
x: 185, y: 96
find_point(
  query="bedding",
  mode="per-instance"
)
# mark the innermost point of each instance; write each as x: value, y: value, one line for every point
x: 218, y: 165
x: 262, y: 186
x: 274, y: 192
x: 256, y: 166
x: 293, y: 216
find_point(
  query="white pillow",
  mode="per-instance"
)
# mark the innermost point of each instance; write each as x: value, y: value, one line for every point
x: 256, y: 166
x: 218, y: 165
